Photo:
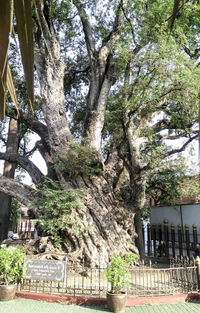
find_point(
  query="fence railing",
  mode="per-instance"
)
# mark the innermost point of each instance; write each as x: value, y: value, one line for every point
x: 143, y: 282
x: 170, y: 240
x: 26, y: 229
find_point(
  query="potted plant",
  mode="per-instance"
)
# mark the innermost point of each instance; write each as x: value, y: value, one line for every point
x: 11, y: 271
x: 118, y: 275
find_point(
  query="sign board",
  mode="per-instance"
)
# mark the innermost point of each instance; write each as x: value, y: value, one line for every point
x: 45, y: 270
x: 10, y: 234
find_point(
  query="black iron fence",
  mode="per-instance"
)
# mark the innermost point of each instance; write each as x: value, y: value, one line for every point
x: 144, y: 281
x: 171, y: 240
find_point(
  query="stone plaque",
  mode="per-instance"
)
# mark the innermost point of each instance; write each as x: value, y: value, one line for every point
x: 45, y: 270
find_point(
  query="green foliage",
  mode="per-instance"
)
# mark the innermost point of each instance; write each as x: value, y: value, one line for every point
x: 189, y: 187
x: 118, y: 272
x: 16, y: 211
x: 11, y: 265
x: 57, y: 209
x: 79, y: 160
x: 145, y: 212
x: 171, y: 183
x: 153, y: 152
x: 163, y: 83
x: 187, y: 25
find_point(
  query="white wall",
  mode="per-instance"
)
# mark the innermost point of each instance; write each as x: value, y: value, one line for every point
x: 179, y: 214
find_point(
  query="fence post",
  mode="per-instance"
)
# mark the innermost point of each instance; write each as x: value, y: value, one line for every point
x: 180, y: 242
x: 149, y: 239
x: 154, y: 238
x: 197, y: 262
x: 195, y: 235
x: 173, y: 239
x: 187, y: 238
x: 26, y: 229
x: 29, y: 229
x: 143, y: 231
x: 160, y: 232
x: 160, y: 247
x: 166, y: 236
x: 197, y: 250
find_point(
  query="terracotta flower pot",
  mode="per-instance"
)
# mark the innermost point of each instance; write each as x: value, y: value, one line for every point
x: 116, y: 302
x: 7, y: 292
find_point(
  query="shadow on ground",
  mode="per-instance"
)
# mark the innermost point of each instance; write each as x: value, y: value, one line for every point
x: 95, y: 308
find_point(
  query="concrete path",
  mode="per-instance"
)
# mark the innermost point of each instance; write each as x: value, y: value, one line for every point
x: 32, y: 306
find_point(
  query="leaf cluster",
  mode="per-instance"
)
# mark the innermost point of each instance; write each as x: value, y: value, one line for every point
x: 169, y: 184
x: 16, y: 210
x: 57, y: 209
x: 186, y: 29
x: 11, y: 265
x: 118, y: 272
x: 79, y: 160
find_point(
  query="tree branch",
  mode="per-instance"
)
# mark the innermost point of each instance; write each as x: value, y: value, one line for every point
x: 69, y: 78
x: 166, y: 124
x: 49, y: 36
x: 174, y: 13
x: 183, y: 146
x: 112, y: 37
x: 169, y: 153
x: 87, y: 30
x: 51, y: 172
x: 31, y: 123
x: 194, y: 55
x: 161, y: 125
x: 132, y: 28
x: 23, y: 193
x: 24, y: 162
x: 102, y: 78
x: 174, y: 137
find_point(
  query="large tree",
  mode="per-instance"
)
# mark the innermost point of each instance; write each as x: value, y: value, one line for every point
x: 114, y: 89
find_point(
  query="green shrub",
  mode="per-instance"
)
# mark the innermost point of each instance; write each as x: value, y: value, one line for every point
x: 57, y: 209
x: 118, y: 272
x: 79, y: 160
x: 11, y: 265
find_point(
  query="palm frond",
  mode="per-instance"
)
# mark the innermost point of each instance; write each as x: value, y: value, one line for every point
x: 6, y: 15
x: 23, y: 11
x: 11, y: 87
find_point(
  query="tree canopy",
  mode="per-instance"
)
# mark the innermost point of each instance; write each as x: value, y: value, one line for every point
x: 113, y: 88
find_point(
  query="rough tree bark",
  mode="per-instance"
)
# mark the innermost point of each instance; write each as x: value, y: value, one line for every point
x: 139, y: 240
x: 107, y: 221
x: 9, y: 171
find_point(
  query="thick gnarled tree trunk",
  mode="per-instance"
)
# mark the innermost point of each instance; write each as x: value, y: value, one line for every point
x: 9, y: 171
x: 108, y: 223
x: 107, y: 219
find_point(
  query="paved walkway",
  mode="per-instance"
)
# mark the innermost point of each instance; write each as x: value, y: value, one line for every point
x: 33, y: 306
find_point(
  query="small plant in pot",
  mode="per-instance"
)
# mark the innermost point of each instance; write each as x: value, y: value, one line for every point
x: 118, y: 275
x: 11, y: 271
